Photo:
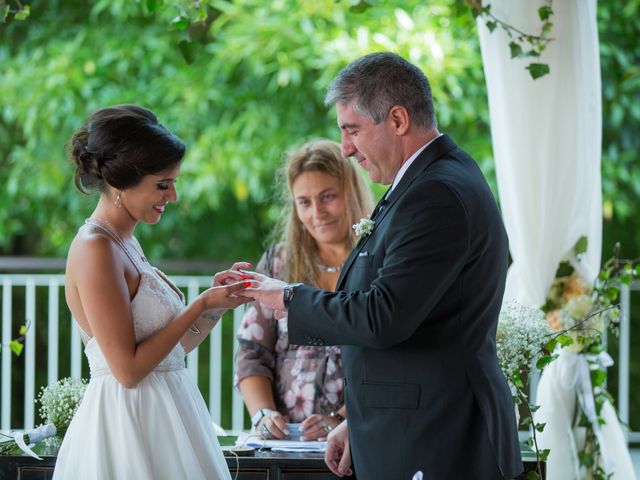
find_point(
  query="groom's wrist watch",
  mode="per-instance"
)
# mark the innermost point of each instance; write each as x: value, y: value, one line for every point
x: 288, y: 293
x: 259, y: 415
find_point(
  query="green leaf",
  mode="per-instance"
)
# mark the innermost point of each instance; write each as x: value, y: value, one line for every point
x: 516, y: 49
x: 564, y: 269
x: 23, y: 13
x: 16, y: 347
x: 581, y: 245
x: 517, y: 381
x: 565, y: 340
x: 544, y: 12
x: 598, y: 377
x: 526, y: 421
x: 532, y: 475
x: 491, y: 26
x: 544, y: 454
x: 533, y: 408
x: 188, y: 51
x: 540, y: 427
x: 538, y: 70
x: 152, y: 5
x: 551, y: 345
x: 4, y: 12
x: 544, y: 361
x: 586, y: 458
x: 23, y: 330
x: 180, y: 22
x: 612, y: 293
x: 360, y: 7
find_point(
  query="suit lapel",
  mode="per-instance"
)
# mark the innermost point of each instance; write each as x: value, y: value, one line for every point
x: 438, y: 148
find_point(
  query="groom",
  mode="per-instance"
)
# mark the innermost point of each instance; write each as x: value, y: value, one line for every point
x: 417, y: 304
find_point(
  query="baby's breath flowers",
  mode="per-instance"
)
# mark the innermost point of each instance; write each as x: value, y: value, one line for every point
x: 58, y: 405
x: 364, y: 227
x: 522, y: 334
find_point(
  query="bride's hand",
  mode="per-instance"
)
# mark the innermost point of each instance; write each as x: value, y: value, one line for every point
x: 231, y: 275
x: 224, y: 296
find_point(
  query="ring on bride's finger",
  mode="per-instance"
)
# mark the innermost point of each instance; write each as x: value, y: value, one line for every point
x: 327, y: 428
x: 265, y: 432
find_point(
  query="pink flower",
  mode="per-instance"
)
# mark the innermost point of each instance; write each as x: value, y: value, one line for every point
x: 299, y: 401
x: 333, y: 389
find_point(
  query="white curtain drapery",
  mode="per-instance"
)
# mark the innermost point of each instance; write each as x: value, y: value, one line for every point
x: 547, y: 138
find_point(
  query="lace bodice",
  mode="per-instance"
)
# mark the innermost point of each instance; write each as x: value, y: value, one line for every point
x: 155, y: 304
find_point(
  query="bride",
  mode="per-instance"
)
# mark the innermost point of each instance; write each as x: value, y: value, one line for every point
x: 142, y: 416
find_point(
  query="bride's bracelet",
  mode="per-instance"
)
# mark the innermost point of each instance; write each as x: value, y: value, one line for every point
x: 212, y: 315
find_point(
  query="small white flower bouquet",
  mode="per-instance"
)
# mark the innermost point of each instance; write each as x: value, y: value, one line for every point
x: 364, y: 227
x: 59, y: 403
x: 522, y: 334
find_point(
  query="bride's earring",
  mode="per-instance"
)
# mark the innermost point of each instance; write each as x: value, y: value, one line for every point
x: 118, y: 202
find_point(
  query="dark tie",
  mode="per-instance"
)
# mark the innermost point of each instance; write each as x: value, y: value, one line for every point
x: 382, y: 204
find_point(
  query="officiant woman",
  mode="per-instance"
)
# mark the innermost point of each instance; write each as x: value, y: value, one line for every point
x: 323, y: 195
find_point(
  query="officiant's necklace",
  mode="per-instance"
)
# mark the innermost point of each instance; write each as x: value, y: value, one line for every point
x: 329, y: 269
x: 109, y: 228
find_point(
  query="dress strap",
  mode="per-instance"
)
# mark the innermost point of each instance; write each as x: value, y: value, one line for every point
x: 83, y: 335
x: 118, y: 241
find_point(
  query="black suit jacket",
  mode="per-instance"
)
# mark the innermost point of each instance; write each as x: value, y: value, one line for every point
x: 415, y: 311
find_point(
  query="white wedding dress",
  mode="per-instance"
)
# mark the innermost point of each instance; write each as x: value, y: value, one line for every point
x: 161, y: 428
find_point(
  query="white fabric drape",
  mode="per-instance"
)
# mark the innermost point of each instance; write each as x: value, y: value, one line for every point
x: 547, y: 137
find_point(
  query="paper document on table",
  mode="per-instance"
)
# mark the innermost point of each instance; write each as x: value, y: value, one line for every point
x: 252, y: 440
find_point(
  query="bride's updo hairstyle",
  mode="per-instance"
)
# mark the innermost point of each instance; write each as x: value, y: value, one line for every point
x: 119, y: 145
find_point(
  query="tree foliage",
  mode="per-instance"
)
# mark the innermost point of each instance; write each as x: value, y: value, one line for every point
x: 241, y: 88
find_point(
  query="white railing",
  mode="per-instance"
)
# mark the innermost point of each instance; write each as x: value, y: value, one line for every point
x: 60, y: 321
x: 193, y: 285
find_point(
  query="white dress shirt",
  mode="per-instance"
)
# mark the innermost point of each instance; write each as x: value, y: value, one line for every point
x: 405, y: 166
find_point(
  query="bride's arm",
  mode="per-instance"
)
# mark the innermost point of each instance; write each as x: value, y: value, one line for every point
x: 99, y: 278
x: 200, y: 329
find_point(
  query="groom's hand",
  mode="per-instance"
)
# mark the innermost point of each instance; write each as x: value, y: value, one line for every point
x: 268, y: 291
x: 337, y: 456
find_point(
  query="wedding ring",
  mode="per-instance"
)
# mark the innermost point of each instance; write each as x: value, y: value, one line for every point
x: 265, y: 431
x: 327, y: 428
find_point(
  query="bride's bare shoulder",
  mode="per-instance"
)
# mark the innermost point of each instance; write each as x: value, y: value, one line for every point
x: 92, y: 248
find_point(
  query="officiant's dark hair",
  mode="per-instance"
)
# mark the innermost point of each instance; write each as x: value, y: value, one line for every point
x: 379, y: 81
x: 119, y: 145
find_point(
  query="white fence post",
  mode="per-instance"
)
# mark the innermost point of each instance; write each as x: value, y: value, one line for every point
x: 5, y: 419
x: 30, y: 354
x: 52, y: 336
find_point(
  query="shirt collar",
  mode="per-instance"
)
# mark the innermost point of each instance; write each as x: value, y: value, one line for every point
x: 405, y: 166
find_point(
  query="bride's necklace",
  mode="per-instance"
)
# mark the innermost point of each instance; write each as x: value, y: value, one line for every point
x: 102, y: 223
x: 330, y: 269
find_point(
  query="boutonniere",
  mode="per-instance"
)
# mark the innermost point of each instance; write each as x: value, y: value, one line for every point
x: 364, y: 227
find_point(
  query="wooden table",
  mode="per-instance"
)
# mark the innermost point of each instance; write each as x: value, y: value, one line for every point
x: 264, y: 465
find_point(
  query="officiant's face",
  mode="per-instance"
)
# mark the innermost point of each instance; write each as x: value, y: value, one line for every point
x: 319, y: 201
x: 374, y: 146
x: 147, y: 200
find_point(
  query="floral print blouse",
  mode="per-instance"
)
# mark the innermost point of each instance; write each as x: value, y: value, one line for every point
x: 306, y: 379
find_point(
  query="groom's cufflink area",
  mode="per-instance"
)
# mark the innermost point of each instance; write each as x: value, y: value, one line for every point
x: 315, y: 341
x: 288, y: 293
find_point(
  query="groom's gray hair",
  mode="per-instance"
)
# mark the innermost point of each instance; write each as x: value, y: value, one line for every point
x: 379, y: 81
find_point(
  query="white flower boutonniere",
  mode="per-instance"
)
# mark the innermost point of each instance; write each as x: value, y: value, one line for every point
x: 364, y: 227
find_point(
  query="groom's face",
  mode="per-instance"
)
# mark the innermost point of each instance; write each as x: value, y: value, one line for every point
x: 374, y: 146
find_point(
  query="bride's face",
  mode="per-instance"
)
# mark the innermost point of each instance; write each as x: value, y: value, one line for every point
x: 147, y: 200
x: 320, y: 206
